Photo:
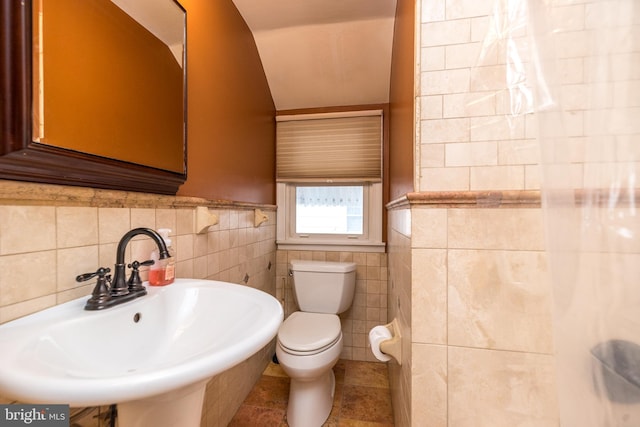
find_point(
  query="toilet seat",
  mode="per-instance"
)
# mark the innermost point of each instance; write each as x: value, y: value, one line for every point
x: 306, y: 334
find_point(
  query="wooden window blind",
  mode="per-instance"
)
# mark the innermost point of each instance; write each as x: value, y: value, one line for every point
x: 329, y: 149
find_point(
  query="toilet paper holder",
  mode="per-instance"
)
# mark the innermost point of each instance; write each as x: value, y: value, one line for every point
x: 393, y: 346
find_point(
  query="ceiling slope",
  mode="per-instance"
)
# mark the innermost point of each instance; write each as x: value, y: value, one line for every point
x: 323, y: 53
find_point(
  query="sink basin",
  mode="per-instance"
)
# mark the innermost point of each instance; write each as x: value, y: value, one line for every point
x: 175, y: 337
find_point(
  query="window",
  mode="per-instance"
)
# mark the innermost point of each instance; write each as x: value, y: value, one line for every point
x: 312, y: 216
x: 329, y: 210
x: 329, y: 189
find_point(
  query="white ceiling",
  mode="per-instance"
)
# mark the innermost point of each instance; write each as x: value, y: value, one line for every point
x: 323, y: 53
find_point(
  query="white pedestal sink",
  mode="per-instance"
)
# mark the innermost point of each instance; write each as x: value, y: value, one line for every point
x: 152, y: 356
x: 182, y: 407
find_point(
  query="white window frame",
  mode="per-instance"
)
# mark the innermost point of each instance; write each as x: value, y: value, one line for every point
x: 370, y: 241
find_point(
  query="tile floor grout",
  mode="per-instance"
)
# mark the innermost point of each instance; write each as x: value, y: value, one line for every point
x: 362, y: 398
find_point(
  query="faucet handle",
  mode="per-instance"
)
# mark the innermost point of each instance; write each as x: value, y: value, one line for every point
x: 101, y: 273
x: 134, y: 282
x: 136, y: 264
x: 100, y: 297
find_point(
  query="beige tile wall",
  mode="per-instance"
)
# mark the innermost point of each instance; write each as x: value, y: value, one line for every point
x: 46, y: 247
x: 470, y: 137
x: 470, y: 284
x: 399, y: 303
x: 499, y: 318
x: 597, y: 92
x: 45, y: 244
x: 474, y: 301
x: 369, y: 306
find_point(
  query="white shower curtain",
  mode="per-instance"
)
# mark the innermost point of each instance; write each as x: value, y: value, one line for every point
x: 573, y: 67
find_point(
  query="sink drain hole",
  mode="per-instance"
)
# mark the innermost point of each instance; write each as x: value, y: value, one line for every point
x: 136, y: 317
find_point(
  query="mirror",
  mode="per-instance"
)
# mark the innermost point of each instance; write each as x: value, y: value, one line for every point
x: 97, y: 94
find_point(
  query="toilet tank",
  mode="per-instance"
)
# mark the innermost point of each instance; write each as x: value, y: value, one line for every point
x: 323, y: 286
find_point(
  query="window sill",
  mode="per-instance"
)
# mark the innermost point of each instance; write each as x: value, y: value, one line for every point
x: 338, y: 246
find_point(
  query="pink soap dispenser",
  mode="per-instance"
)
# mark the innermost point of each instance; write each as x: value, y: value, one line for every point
x: 163, y: 271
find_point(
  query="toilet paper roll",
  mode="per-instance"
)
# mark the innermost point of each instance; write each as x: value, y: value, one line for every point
x: 376, y: 336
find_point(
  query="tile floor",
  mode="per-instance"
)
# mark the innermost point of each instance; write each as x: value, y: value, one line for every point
x: 362, y: 398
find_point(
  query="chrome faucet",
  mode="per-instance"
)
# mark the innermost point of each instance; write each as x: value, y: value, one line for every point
x: 121, y: 290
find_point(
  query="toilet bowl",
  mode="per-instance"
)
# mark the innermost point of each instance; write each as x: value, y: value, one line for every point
x: 310, y: 340
x: 312, y: 385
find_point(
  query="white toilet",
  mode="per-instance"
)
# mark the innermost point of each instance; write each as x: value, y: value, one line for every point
x: 310, y: 340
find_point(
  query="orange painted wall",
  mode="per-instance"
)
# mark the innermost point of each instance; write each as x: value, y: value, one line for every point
x: 95, y: 100
x: 231, y: 114
x: 401, y: 103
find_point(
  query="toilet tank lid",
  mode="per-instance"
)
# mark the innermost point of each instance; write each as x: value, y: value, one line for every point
x: 323, y: 266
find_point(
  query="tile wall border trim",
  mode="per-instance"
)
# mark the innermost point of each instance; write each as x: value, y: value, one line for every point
x: 25, y: 193
x: 469, y: 199
x: 601, y: 197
